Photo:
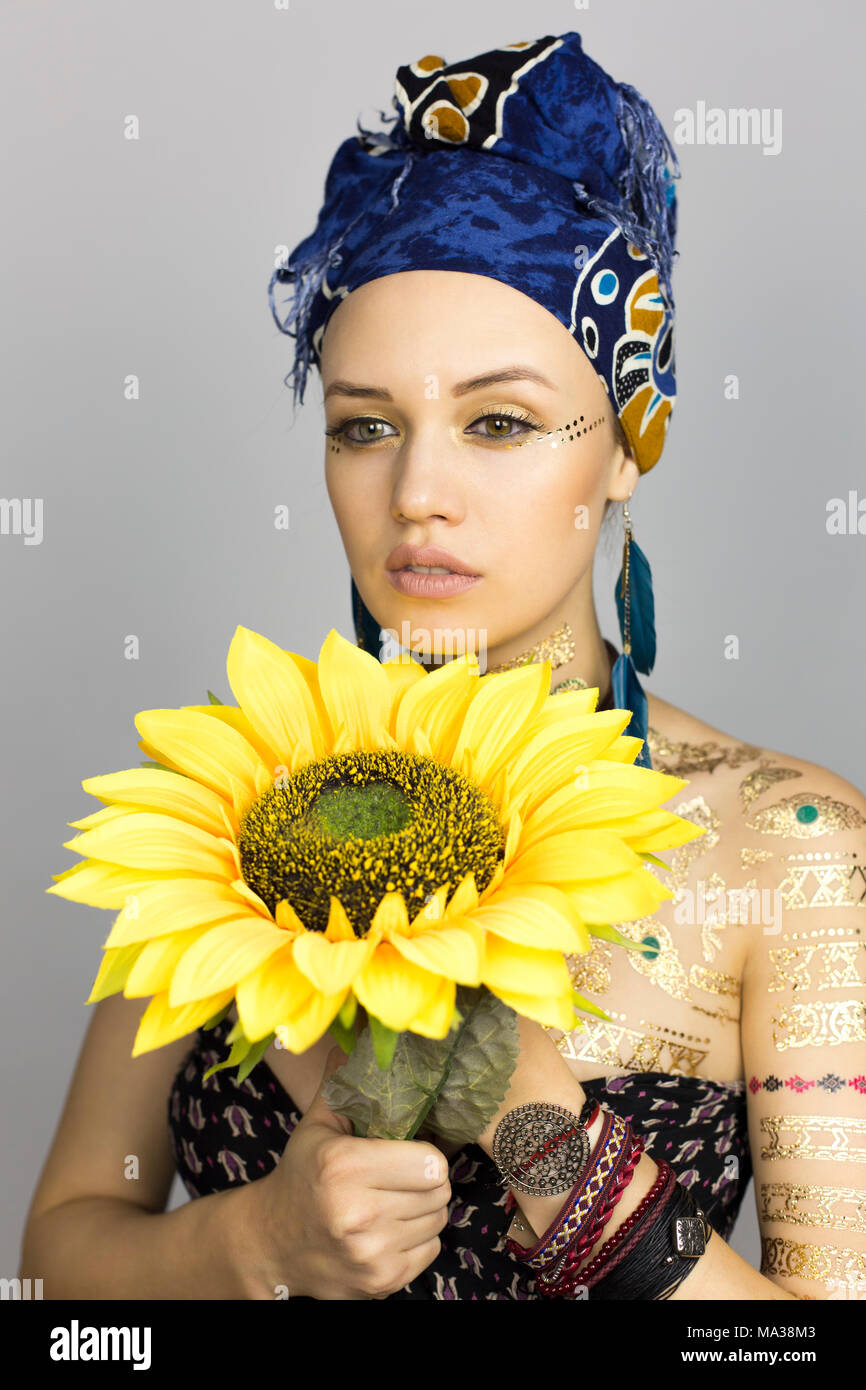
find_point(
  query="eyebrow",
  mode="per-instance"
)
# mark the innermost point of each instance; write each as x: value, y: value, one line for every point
x: 462, y: 388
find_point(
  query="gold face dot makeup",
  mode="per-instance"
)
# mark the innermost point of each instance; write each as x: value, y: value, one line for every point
x: 574, y: 429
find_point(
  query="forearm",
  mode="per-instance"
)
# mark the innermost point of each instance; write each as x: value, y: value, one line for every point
x: 104, y: 1247
x: 543, y: 1074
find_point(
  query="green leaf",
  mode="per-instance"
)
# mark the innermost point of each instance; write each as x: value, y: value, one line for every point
x: 482, y: 1064
x: 213, y: 699
x: 456, y: 1084
x: 609, y: 933
x: 239, y: 1049
x: 588, y: 1007
x: 218, y: 1016
x: 654, y: 859
x: 345, y: 1037
x: 384, y: 1042
x: 348, y: 1011
x: 254, y: 1055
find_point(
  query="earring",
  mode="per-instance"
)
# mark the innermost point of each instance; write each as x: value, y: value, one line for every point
x: 635, y: 609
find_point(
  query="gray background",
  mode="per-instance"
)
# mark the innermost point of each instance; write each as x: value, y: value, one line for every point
x: 153, y: 257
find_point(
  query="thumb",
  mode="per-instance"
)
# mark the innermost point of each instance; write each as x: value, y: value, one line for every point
x: 319, y: 1111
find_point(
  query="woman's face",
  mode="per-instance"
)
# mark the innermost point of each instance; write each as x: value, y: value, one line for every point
x: 421, y: 458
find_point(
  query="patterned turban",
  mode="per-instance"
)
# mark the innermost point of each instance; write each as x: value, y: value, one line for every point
x: 529, y: 165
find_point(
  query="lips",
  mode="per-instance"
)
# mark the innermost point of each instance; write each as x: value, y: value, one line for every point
x: 405, y: 555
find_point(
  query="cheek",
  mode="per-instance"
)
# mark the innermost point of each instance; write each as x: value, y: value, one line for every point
x: 549, y: 514
x: 352, y: 502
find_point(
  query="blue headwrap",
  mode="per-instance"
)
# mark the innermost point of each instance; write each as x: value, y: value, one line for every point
x: 529, y: 165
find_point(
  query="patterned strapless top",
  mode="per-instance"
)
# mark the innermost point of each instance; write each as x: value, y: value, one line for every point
x: 224, y: 1134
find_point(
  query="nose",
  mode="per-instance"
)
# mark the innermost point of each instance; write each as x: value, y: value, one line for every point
x: 426, y: 484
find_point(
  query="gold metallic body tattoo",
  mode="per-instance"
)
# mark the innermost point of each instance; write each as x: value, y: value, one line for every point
x: 832, y: 1138
x: 823, y: 1024
x: 616, y: 1048
x: 755, y: 783
x: 806, y: 815
x: 790, y: 1258
x: 801, y: 1204
x: 820, y: 965
x: 827, y: 881
x: 698, y: 757
x: 559, y: 648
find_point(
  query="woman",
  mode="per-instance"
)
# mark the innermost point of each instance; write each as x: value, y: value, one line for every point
x: 494, y: 337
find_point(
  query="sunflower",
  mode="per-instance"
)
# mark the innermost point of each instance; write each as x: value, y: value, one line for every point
x: 356, y: 832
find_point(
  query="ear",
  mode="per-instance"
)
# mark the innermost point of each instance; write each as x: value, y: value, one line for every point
x: 624, y: 477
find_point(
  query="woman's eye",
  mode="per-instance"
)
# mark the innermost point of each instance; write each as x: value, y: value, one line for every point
x: 369, y: 430
x: 502, y: 425
x: 498, y: 425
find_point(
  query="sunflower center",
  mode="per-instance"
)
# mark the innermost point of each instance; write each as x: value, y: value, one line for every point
x: 359, y: 825
x: 380, y: 808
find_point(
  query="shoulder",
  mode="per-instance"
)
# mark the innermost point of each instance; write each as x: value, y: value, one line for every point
x: 792, y: 826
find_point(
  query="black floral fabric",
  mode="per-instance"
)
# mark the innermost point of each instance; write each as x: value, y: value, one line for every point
x: 225, y: 1134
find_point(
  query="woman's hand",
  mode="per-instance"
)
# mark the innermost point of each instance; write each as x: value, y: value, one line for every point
x: 346, y: 1217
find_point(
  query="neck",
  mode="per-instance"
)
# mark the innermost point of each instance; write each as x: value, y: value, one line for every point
x: 590, y: 660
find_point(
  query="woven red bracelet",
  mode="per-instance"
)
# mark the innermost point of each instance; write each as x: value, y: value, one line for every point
x: 633, y: 1229
x: 551, y: 1277
x: 588, y: 1238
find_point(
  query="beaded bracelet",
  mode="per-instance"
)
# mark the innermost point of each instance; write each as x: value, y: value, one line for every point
x: 614, y: 1250
x: 663, y: 1255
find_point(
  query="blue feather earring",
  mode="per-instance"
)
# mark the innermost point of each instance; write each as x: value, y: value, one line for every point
x: 636, y: 613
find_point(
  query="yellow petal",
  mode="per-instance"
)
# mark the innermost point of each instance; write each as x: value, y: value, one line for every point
x: 434, y: 1021
x: 624, y: 749
x: 402, y: 673
x: 601, y: 795
x: 390, y: 915
x: 523, y: 969
x: 168, y: 792
x: 153, y: 969
x: 145, y: 840
x: 304, y: 1027
x: 447, y: 951
x: 669, y: 832
x: 161, y: 1024
x: 464, y: 898
x: 274, y: 696
x: 330, y: 966
x: 203, y: 747
x: 356, y: 691
x: 569, y: 857
x: 339, y: 927
x: 536, y: 916
x: 113, y: 971
x: 433, y: 710
x: 498, y: 716
x: 556, y: 1011
x: 271, y: 994
x: 310, y: 672
x: 99, y: 884
x: 393, y: 989
x: 237, y: 720
x: 550, y: 755
x: 163, y: 908
x: 222, y: 957
x: 286, y: 917
x: 623, y: 899
x: 102, y: 817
